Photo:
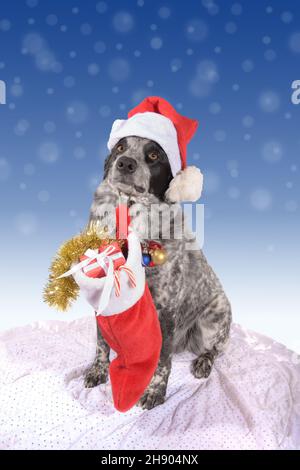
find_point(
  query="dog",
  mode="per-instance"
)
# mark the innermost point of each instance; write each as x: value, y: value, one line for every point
x: 194, y: 312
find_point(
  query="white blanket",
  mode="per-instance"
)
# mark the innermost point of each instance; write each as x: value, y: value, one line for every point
x: 250, y: 401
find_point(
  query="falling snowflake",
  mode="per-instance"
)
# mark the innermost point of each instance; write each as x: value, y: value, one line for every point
x: 261, y: 199
x: 291, y: 206
x: 93, y: 69
x: 29, y: 169
x: 5, y: 169
x: 294, y: 42
x: 269, y: 101
x: 272, y: 152
x: 77, y: 112
x: 196, y: 30
x: 101, y: 7
x: 231, y: 27
x: 119, y: 70
x: 156, y: 43
x: 248, y: 65
x: 236, y: 9
x: 26, y: 223
x: 99, y: 47
x: 211, y: 182
x: 21, y: 127
x: 123, y: 22
x: 164, y: 12
x: 43, y: 196
x: 79, y: 152
x: 49, y: 152
x: 234, y: 192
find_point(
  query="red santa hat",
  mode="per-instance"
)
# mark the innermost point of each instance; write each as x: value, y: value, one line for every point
x: 156, y: 119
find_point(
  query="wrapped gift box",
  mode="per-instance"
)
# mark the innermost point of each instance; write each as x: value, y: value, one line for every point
x: 99, y: 268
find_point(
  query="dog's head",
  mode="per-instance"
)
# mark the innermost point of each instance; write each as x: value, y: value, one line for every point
x: 138, y: 167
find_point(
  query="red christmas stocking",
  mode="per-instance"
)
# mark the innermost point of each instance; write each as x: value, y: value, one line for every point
x: 128, y: 321
x: 135, y: 336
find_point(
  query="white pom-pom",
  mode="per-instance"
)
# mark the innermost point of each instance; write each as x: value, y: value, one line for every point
x: 186, y: 185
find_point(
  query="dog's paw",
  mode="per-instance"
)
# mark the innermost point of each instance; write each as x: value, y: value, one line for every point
x: 151, y: 399
x: 202, y: 366
x: 96, y: 375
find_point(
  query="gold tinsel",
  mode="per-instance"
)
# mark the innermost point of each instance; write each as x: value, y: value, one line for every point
x: 60, y: 293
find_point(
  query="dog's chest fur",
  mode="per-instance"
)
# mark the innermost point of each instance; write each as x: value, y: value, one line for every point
x: 184, y: 285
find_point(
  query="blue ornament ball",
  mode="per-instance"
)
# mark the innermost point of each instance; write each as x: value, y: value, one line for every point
x: 146, y: 259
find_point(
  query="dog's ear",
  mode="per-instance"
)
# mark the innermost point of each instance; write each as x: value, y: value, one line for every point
x: 107, y: 164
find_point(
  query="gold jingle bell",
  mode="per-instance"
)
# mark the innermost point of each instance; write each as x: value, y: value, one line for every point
x: 158, y: 256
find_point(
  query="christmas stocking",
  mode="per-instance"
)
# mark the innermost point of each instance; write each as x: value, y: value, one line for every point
x: 128, y: 320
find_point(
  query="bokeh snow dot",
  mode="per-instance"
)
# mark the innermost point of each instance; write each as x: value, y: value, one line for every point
x: 32, y: 3
x: 164, y: 12
x: 29, y: 169
x: 49, y: 152
x: 51, y: 20
x: 77, y: 112
x: 105, y: 111
x: 266, y: 40
x: 196, y: 30
x: 138, y: 95
x: 26, y: 223
x: 212, y: 182
x: 33, y: 43
x: 156, y: 43
x: 207, y: 71
x: 99, y: 47
x: 21, y: 127
x: 45, y: 60
x: 272, y: 152
x: 220, y: 135
x: 86, y: 29
x: 69, y: 81
x: 269, y: 101
x: 291, y: 206
x: 261, y: 199
x: 231, y: 27
x: 236, y: 9
x: 101, y: 7
x: 49, y: 127
x: 199, y: 88
x: 287, y: 17
x: 123, y: 22
x: 270, y: 55
x: 295, y: 42
x: 248, y: 121
x: 247, y: 65
x: 43, y: 196
x: 176, y: 65
x: 234, y: 192
x: 93, y: 183
x: 5, y: 25
x: 119, y: 69
x: 79, y: 152
x: 93, y: 69
x: 16, y: 90
x: 215, y: 108
x: 5, y: 169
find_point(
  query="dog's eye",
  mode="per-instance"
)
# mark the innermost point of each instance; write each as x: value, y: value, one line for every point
x: 153, y: 156
x: 120, y: 148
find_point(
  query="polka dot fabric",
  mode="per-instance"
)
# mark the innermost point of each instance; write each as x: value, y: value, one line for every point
x: 250, y: 401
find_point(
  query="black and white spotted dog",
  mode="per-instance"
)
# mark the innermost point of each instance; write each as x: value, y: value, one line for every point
x: 194, y: 312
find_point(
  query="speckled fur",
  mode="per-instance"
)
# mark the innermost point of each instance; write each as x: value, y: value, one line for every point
x: 194, y: 312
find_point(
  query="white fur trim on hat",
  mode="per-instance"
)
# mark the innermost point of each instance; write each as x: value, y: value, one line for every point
x: 152, y: 126
x: 186, y: 185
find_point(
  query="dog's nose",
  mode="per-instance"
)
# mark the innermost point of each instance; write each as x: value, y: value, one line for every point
x: 126, y: 165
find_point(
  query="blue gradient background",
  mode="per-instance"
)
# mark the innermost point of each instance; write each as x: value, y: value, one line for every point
x: 251, y: 196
